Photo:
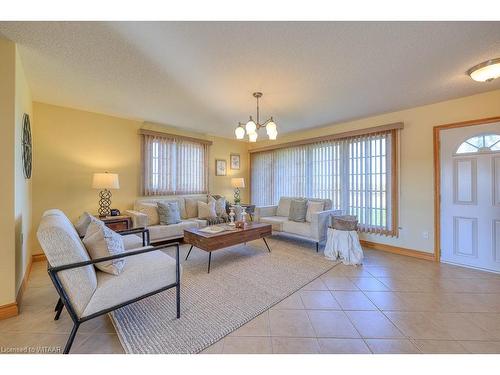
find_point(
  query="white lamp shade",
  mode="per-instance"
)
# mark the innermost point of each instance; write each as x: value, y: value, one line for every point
x: 105, y: 181
x: 270, y: 127
x: 250, y: 127
x: 238, y: 182
x: 252, y: 137
x: 272, y: 135
x: 239, y: 132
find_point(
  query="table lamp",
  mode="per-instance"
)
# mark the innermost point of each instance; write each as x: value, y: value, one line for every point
x: 237, y: 183
x: 105, y: 181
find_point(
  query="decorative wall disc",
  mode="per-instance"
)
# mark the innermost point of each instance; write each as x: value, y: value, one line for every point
x: 27, y: 147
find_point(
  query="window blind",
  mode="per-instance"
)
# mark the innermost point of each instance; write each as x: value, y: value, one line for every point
x: 174, y: 165
x: 356, y: 173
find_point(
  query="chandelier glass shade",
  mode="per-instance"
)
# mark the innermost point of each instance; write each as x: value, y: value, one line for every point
x: 252, y: 126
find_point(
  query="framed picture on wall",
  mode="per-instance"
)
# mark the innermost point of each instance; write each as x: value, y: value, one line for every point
x: 235, y: 161
x: 220, y: 167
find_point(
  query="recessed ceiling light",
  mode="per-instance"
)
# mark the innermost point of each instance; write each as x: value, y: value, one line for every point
x: 486, y: 71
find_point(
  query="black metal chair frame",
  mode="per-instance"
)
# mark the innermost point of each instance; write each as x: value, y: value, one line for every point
x: 65, y: 302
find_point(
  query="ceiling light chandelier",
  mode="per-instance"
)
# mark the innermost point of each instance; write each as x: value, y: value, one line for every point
x: 251, y: 127
x: 486, y: 71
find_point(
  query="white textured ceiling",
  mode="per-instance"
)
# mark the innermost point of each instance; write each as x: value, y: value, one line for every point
x: 200, y: 75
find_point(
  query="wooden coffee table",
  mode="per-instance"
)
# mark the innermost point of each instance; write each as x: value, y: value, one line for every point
x: 212, y: 242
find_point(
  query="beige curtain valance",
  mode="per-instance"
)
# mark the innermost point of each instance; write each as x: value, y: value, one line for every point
x: 173, y: 136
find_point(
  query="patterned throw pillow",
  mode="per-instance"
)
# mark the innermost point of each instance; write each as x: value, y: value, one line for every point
x: 220, y: 205
x: 298, y: 209
x: 100, y: 241
x: 206, y: 210
x: 169, y: 212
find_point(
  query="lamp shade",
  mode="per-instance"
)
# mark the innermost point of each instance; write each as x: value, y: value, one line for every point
x: 238, y: 182
x: 105, y: 181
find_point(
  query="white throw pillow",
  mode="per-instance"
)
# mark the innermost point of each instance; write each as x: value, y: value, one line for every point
x: 206, y: 210
x: 100, y: 242
x: 151, y: 210
x: 284, y: 206
x: 220, y: 205
x: 83, y: 223
x: 313, y: 207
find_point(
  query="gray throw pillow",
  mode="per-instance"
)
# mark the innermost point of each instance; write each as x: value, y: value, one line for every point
x: 169, y: 212
x: 298, y: 210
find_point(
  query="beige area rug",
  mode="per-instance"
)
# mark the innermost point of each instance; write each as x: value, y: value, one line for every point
x: 244, y: 281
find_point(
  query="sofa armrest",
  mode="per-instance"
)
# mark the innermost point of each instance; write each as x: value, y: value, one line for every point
x: 264, y: 211
x: 320, y: 222
x: 139, y: 220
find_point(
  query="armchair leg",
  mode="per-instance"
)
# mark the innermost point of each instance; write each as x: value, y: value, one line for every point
x: 178, y: 297
x: 317, y: 247
x: 59, y: 309
x: 71, y: 338
x: 58, y: 304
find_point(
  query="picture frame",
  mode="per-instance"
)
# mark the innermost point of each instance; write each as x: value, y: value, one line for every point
x: 235, y: 161
x: 220, y: 167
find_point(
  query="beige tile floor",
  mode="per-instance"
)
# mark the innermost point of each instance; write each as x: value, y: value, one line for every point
x: 391, y: 304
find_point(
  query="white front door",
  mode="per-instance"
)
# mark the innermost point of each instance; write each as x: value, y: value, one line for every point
x: 470, y: 196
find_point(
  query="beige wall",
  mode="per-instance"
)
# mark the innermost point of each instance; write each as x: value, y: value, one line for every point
x: 22, y: 186
x: 70, y: 145
x: 416, y: 159
x: 7, y: 115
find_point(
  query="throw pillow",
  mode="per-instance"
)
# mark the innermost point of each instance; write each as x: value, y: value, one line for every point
x: 206, y: 210
x: 100, y: 241
x: 151, y: 210
x: 191, y: 208
x: 83, y: 223
x: 313, y: 207
x: 220, y: 205
x: 284, y: 206
x: 169, y: 212
x: 298, y: 209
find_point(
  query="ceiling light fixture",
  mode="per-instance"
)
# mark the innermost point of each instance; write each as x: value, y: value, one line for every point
x: 251, y: 127
x: 486, y: 71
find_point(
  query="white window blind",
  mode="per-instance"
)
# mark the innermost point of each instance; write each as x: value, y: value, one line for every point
x: 355, y: 173
x: 174, y: 166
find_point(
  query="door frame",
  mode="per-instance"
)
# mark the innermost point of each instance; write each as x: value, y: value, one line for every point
x: 437, y: 174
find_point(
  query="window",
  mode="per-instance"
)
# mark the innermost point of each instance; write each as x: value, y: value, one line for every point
x: 174, y: 165
x: 357, y: 173
x: 480, y: 143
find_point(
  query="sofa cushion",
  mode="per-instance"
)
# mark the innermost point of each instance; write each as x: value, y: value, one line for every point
x: 143, y: 274
x: 62, y: 245
x: 83, y: 223
x: 275, y: 221
x: 169, y: 212
x: 101, y: 242
x: 298, y: 209
x: 327, y: 202
x: 206, y: 210
x: 312, y: 208
x: 191, y: 208
x: 300, y: 229
x: 151, y: 210
x: 161, y: 232
x: 132, y: 241
x: 284, y: 206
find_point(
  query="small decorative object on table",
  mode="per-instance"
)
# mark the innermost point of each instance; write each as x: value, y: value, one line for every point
x: 241, y: 224
x: 105, y: 181
x: 231, y: 216
x: 237, y: 183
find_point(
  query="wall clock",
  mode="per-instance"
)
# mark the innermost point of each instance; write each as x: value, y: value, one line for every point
x: 27, y: 146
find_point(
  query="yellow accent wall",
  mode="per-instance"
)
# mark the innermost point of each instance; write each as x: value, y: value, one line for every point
x: 416, y: 158
x: 70, y: 145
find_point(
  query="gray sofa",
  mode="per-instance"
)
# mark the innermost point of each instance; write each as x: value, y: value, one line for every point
x: 313, y: 229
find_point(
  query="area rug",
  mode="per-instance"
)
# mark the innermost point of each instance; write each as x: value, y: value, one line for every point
x: 244, y: 281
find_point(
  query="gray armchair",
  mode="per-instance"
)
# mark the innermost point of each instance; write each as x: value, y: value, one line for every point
x: 87, y: 292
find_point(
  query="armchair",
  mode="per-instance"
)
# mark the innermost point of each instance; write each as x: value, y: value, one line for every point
x: 88, y: 293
